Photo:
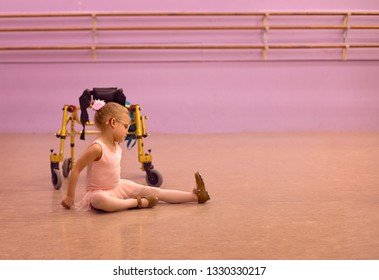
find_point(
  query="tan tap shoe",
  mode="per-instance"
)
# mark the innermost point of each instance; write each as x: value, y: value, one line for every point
x: 152, y: 201
x: 201, y: 193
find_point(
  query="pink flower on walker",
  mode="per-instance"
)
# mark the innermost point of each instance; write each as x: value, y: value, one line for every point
x: 98, y: 104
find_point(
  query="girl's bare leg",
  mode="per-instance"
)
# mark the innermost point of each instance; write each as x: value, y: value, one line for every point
x: 173, y: 196
x: 108, y: 203
x: 199, y: 194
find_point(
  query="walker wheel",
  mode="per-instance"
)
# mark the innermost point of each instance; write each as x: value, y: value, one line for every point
x: 56, y: 178
x: 66, y: 167
x: 154, y: 178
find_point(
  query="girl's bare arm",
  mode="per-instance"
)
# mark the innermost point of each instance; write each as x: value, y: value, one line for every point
x: 93, y: 153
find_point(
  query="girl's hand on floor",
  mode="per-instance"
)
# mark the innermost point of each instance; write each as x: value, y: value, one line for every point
x: 67, y: 202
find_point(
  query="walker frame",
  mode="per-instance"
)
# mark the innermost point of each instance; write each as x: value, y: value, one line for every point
x: 70, y: 117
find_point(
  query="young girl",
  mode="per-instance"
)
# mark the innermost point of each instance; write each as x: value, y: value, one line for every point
x: 105, y: 190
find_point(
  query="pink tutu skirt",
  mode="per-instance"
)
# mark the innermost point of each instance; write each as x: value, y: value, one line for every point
x: 124, y: 189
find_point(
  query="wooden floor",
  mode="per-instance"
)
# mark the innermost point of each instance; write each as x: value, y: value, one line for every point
x: 274, y: 196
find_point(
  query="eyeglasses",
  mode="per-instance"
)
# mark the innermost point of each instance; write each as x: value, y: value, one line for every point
x: 126, y: 125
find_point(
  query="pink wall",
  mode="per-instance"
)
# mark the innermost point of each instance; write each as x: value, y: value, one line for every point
x: 198, y: 97
x: 183, y: 5
x: 202, y: 97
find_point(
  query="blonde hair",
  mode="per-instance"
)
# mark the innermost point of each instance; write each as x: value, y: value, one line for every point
x: 108, y: 111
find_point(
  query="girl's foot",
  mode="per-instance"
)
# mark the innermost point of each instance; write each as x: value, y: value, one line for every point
x: 151, y: 201
x: 201, y: 193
